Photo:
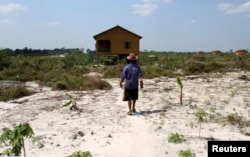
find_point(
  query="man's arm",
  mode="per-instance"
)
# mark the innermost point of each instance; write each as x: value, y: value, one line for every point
x: 121, y: 81
x: 140, y: 78
x: 141, y: 82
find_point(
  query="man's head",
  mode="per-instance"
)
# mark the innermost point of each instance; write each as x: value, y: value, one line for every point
x: 132, y: 57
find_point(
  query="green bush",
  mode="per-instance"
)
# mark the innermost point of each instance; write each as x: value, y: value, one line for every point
x: 4, y: 60
x: 193, y: 67
x: 151, y: 71
x: 175, y: 138
x: 94, y: 82
x: 213, y: 66
x: 112, y: 71
x: 67, y: 73
x: 235, y: 119
x: 60, y: 85
x: 82, y: 154
x: 13, y: 93
x: 241, y: 62
x: 186, y: 153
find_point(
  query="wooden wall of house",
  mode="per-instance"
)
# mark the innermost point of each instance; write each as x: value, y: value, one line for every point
x: 118, y: 37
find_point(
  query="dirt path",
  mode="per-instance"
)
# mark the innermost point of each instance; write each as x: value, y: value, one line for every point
x: 138, y: 132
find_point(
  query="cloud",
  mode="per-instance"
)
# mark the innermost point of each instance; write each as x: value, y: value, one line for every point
x: 229, y: 8
x: 54, y: 23
x: 11, y: 7
x: 224, y: 6
x: 4, y: 22
x: 147, y: 7
x: 144, y: 9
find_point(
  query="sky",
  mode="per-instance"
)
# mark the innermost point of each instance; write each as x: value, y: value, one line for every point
x: 165, y: 25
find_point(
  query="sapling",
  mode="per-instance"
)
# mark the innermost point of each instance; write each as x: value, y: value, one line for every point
x: 201, y: 117
x: 178, y: 80
x: 71, y: 101
x: 15, y: 138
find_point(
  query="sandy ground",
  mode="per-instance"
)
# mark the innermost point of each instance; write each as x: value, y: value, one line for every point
x: 102, y: 126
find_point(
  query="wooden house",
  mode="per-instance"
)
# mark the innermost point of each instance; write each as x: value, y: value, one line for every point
x: 117, y: 42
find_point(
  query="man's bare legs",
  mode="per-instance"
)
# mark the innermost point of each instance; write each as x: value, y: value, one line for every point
x: 131, y: 106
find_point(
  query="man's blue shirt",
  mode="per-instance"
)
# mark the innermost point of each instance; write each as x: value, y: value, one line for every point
x: 131, y: 74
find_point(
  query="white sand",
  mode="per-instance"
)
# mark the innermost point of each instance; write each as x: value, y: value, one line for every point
x: 110, y: 132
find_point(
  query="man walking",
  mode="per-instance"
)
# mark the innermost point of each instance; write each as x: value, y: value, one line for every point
x: 131, y: 75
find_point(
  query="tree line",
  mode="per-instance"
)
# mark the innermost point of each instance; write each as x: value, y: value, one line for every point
x: 42, y: 52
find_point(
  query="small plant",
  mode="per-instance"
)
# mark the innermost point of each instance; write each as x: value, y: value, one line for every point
x: 186, y: 153
x: 226, y: 101
x: 207, y: 102
x: 235, y: 119
x: 214, y: 116
x: 72, y: 102
x: 162, y: 113
x: 233, y: 93
x: 201, y: 117
x: 82, y: 154
x: 175, y: 138
x: 178, y: 80
x: 15, y: 138
x: 170, y: 98
x: 166, y: 107
x: 191, y: 124
x: 212, y: 109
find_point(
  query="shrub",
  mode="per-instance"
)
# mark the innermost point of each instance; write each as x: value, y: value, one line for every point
x: 150, y: 71
x: 213, y: 66
x: 95, y: 82
x: 4, y: 60
x: 186, y: 153
x: 82, y: 154
x: 112, y: 71
x: 60, y: 85
x: 235, y: 119
x: 13, y: 92
x: 58, y: 72
x: 241, y: 62
x: 175, y: 138
x: 192, y: 67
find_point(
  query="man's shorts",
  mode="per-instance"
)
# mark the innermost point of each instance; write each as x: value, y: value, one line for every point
x: 130, y: 94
